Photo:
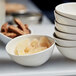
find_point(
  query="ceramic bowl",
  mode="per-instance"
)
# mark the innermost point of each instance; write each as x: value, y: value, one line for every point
x: 67, y: 9
x: 6, y: 39
x: 64, y: 42
x: 69, y: 52
x: 64, y: 20
x: 64, y: 35
x: 33, y: 59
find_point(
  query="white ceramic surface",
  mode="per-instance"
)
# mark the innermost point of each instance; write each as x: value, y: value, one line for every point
x: 63, y: 35
x: 4, y: 38
x: 65, y: 28
x: 64, y: 42
x: 29, y: 60
x: 67, y: 9
x: 69, y: 52
x: 64, y: 20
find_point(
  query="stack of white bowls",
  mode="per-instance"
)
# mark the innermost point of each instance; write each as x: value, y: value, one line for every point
x: 65, y: 29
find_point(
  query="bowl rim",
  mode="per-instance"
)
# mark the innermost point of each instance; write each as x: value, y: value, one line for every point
x: 64, y: 32
x: 30, y: 54
x: 65, y: 46
x: 63, y: 15
x: 56, y: 8
x: 64, y: 24
x: 55, y: 36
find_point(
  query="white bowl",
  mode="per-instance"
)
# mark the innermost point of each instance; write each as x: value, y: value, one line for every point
x: 4, y: 38
x: 64, y: 42
x: 65, y: 28
x: 64, y: 20
x: 29, y: 60
x: 67, y: 9
x: 69, y: 52
x: 64, y: 35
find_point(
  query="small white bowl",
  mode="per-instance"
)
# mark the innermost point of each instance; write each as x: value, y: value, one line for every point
x: 67, y: 9
x: 65, y: 28
x: 64, y: 20
x: 64, y: 35
x: 29, y: 60
x: 69, y: 52
x: 64, y: 42
x: 4, y: 38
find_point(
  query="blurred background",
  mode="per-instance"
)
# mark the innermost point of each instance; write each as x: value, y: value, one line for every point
x: 42, y: 7
x: 47, y: 6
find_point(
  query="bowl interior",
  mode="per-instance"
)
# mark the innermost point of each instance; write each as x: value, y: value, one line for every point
x: 10, y: 47
x: 67, y: 8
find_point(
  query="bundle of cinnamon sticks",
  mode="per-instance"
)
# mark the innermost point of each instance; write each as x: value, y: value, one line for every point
x: 12, y: 31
